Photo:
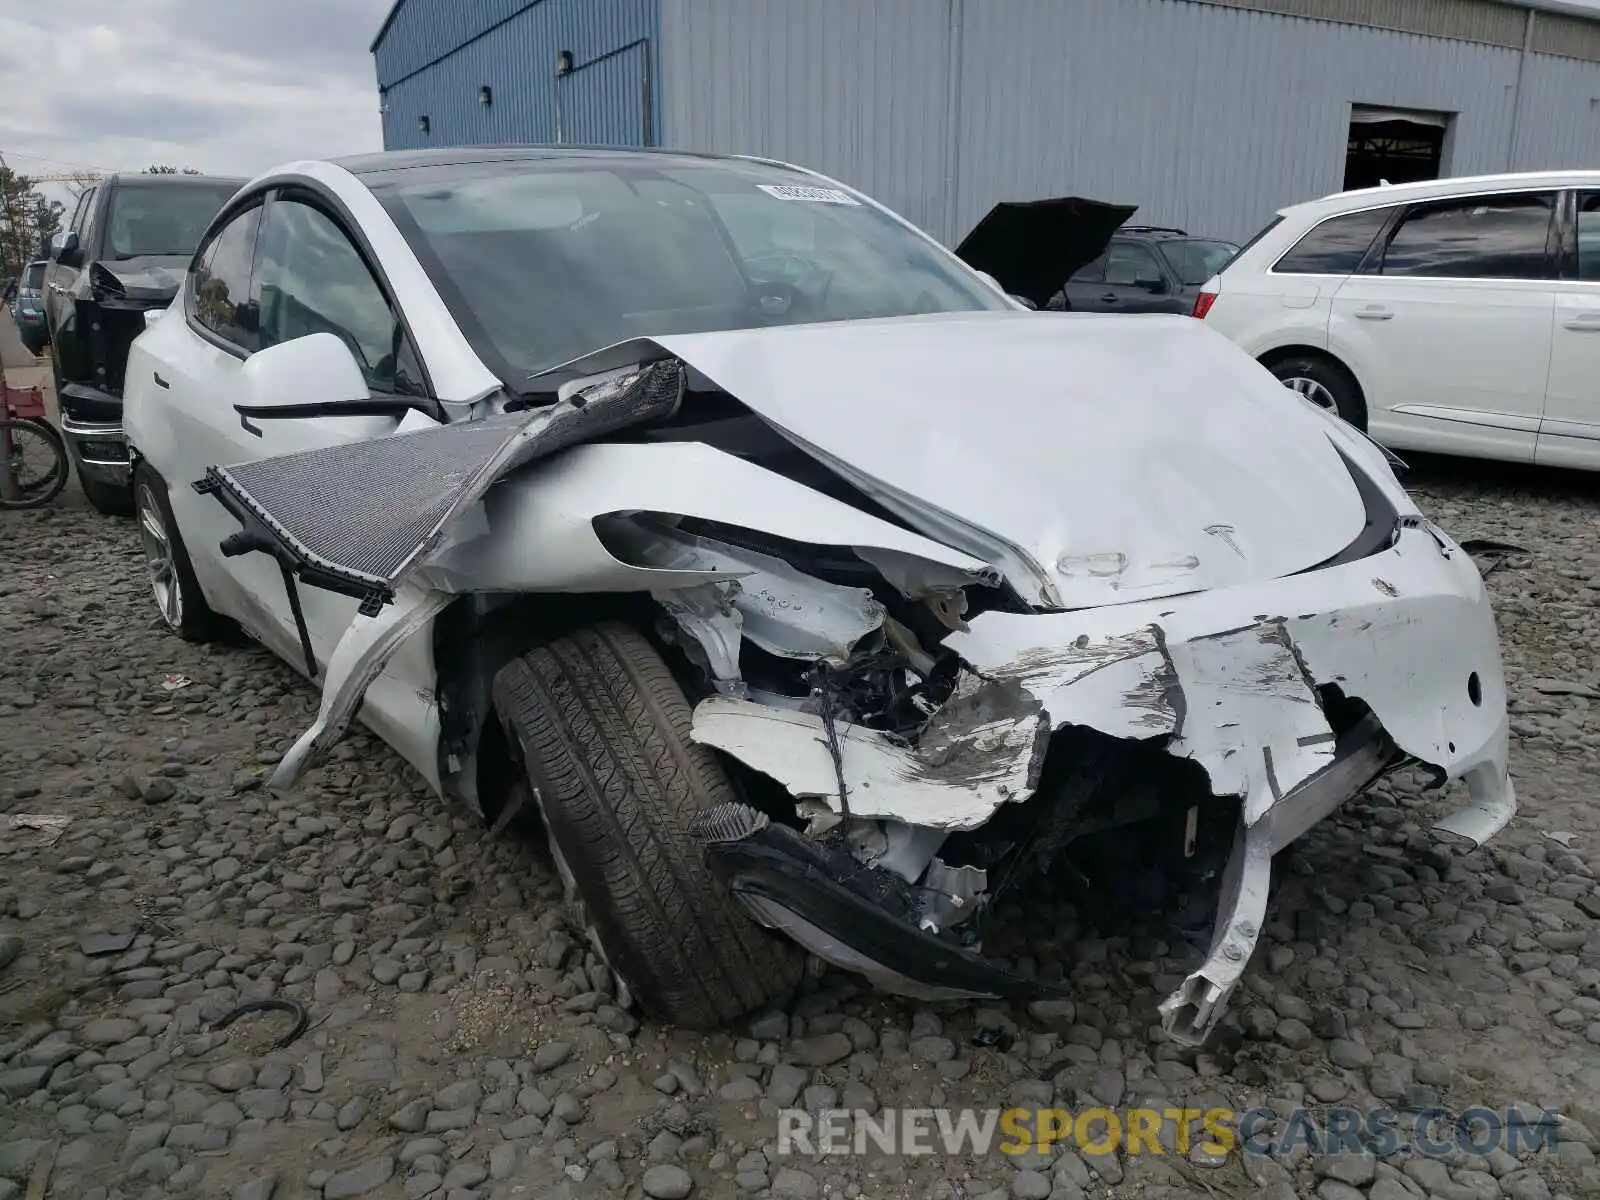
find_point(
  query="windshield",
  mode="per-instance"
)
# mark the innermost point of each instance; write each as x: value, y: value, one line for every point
x: 162, y: 220
x: 544, y: 262
x: 1196, y: 261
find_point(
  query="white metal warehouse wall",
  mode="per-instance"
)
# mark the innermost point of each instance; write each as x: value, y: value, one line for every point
x: 1206, y: 116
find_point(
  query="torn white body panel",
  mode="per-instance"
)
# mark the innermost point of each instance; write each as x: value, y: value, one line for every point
x: 1236, y: 692
x: 784, y: 611
x: 361, y: 655
x: 976, y: 755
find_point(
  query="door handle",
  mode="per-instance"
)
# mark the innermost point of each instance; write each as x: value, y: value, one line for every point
x: 160, y: 382
x: 1583, y: 323
x: 1373, y: 314
x: 1110, y: 298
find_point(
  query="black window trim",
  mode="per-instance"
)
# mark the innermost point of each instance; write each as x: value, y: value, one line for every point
x: 307, y: 192
x: 1567, y: 263
x: 1382, y: 235
x: 234, y: 209
x: 1372, y: 262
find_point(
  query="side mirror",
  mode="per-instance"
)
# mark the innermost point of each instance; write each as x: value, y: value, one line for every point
x: 317, y: 368
x: 64, y: 247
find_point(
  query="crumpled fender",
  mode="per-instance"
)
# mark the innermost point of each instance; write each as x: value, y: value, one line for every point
x: 539, y: 534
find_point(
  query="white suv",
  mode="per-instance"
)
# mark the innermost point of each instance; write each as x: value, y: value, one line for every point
x: 1459, y: 315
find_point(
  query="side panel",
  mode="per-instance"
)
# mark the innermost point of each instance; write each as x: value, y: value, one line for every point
x: 607, y: 102
x: 515, y: 57
x: 853, y: 89
x: 941, y: 108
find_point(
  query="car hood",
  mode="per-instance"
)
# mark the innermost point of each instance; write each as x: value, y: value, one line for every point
x: 1094, y: 459
x: 1032, y: 247
x: 155, y: 277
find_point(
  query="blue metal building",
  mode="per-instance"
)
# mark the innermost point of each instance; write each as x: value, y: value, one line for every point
x: 1205, y: 113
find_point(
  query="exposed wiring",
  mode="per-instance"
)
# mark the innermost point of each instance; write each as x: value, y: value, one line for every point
x: 823, y: 687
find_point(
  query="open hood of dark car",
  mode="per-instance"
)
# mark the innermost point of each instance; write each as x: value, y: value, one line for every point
x: 147, y: 278
x: 1032, y: 246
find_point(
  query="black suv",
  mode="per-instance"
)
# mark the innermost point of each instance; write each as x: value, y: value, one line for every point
x: 1145, y: 268
x: 124, y: 254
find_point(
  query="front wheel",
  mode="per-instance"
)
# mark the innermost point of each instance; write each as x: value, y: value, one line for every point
x: 1325, y: 383
x: 603, y: 731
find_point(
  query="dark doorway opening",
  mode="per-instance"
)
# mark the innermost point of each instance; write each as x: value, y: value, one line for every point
x: 1394, y: 146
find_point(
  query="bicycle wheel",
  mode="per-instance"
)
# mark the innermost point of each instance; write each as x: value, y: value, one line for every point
x: 38, y: 462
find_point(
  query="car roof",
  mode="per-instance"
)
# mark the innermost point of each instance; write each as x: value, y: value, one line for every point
x: 164, y: 180
x: 450, y: 156
x: 1433, y: 189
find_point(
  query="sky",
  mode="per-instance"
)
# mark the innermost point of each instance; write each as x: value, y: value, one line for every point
x: 225, y: 86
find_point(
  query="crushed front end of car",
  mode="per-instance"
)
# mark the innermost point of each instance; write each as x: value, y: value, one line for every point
x: 955, y: 594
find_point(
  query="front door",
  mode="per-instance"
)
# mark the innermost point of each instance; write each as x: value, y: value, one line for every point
x: 1569, y: 435
x: 1448, y: 325
x: 60, y: 311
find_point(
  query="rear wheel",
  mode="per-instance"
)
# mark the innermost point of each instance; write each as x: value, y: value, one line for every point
x: 172, y: 582
x: 1325, y: 383
x: 603, y: 731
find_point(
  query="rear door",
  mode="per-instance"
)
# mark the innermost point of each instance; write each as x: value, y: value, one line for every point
x: 197, y: 382
x: 1569, y: 434
x: 1448, y: 324
x: 1126, y: 278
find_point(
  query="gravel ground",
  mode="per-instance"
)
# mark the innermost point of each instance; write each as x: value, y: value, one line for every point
x: 464, y: 1044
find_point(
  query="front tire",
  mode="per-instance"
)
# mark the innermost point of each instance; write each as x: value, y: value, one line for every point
x: 177, y: 595
x: 603, y: 730
x: 1325, y: 383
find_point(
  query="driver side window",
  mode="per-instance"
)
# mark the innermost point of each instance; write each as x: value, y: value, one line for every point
x: 310, y: 278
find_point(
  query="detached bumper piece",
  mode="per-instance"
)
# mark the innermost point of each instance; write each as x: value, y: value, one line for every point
x: 854, y: 917
x: 355, y: 518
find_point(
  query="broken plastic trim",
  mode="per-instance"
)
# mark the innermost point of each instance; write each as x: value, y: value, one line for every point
x: 797, y: 886
x: 1191, y: 1012
x: 412, y: 486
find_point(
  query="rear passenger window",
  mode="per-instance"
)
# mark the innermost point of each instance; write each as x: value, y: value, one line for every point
x: 1482, y: 237
x: 1335, y: 247
x: 1589, y: 235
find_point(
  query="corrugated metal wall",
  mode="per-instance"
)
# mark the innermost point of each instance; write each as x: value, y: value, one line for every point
x: 853, y: 87
x: 1205, y: 115
x: 437, y: 54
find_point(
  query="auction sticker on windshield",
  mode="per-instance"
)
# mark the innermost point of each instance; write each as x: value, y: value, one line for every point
x: 815, y: 195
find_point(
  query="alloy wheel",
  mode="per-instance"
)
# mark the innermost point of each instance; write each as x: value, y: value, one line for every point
x: 1313, y: 391
x: 160, y: 560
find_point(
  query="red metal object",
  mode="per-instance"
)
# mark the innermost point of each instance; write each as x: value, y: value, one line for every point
x: 23, y: 402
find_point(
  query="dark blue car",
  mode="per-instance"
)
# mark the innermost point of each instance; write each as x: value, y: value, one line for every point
x: 28, y: 308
